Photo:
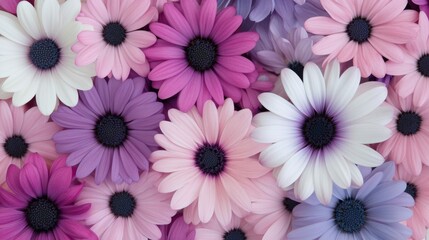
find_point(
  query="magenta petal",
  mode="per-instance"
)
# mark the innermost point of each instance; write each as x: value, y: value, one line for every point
x: 172, y: 86
x: 164, y: 53
x: 226, y: 24
x: 75, y: 211
x: 167, y: 69
x: 59, y: 182
x: 12, y: 178
x: 176, y: 19
x: 70, y: 196
x: 188, y: 96
x: 238, y: 44
x: 237, y: 64
x: 214, y: 86
x: 30, y: 181
x: 75, y: 229
x: 234, y: 78
x: 191, y: 11
x: 207, y: 17
x: 168, y: 33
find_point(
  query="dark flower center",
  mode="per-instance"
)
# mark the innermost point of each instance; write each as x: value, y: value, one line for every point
x: 15, y: 146
x: 423, y: 65
x: 201, y: 54
x: 111, y: 130
x: 235, y: 234
x: 350, y: 215
x: 319, y: 130
x: 359, y: 30
x: 289, y: 204
x: 42, y: 215
x: 411, y: 189
x: 297, y: 67
x: 114, y: 33
x: 408, y: 123
x: 122, y: 204
x: 45, y: 54
x: 210, y: 159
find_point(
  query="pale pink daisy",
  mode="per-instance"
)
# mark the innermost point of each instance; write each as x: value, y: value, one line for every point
x: 365, y: 31
x: 237, y: 229
x: 209, y: 161
x: 115, y: 41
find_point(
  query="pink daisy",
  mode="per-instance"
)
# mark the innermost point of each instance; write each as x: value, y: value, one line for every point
x: 21, y: 132
x: 209, y: 161
x: 198, y: 55
x: 418, y: 188
x: 410, y: 126
x: 365, y: 31
x: 116, y: 40
x: 122, y: 211
x: 414, y: 66
x: 237, y: 229
x: 41, y: 204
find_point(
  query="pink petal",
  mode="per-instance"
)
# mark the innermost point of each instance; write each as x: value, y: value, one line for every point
x: 207, y: 199
x: 236, y: 128
x: 324, y: 26
x: 30, y: 181
x: 336, y: 11
x: 188, y: 96
x: 141, y: 39
x: 330, y: 44
x: 167, y: 69
x: 399, y: 33
x: 238, y: 44
x: 176, y: 19
x: 386, y: 49
x: 236, y: 192
x: 389, y: 12
x: 59, y: 182
x: 211, y: 123
x: 169, y: 34
x: 172, y: 86
x: 207, y: 17
x: 164, y: 53
x: 191, y: 10
x: 234, y: 78
x: 225, y: 25
x: 237, y: 64
x: 214, y: 86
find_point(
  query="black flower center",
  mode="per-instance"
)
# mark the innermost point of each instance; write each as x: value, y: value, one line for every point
x: 411, y: 189
x: 289, y: 204
x: 45, y: 54
x: 15, y: 146
x: 201, y: 54
x: 235, y: 234
x: 210, y: 159
x: 359, y: 30
x: 350, y: 215
x: 122, y: 204
x: 319, y: 130
x: 423, y: 65
x: 114, y: 33
x: 297, y: 67
x: 111, y: 130
x: 408, y: 123
x: 42, y: 215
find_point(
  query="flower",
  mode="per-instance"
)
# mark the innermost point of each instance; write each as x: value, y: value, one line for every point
x: 208, y: 162
x: 414, y: 66
x: 237, y: 229
x: 423, y: 5
x: 36, y: 55
x: 42, y: 204
x: 127, y: 211
x: 373, y: 211
x: 178, y: 229
x: 115, y: 42
x: 418, y: 189
x: 407, y: 145
x: 365, y: 31
x: 198, y: 56
x: 22, y: 132
x: 318, y: 137
x: 111, y: 130
x: 10, y: 5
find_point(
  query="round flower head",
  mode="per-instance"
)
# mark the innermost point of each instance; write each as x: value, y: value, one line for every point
x: 178, y: 229
x: 198, y: 55
x: 237, y: 229
x: 21, y: 132
x: 208, y: 161
x: 318, y: 137
x: 410, y: 125
x: 111, y: 130
x: 36, y: 55
x: 127, y: 211
x: 365, y: 31
x: 42, y: 204
x: 10, y: 5
x: 373, y: 211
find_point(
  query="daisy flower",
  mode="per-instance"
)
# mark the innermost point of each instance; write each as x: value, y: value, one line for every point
x: 22, y: 132
x: 115, y: 41
x: 178, y: 229
x: 36, y: 56
x: 208, y: 162
x: 365, y: 31
x: 423, y: 5
x: 127, y: 211
x: 410, y: 127
x: 237, y: 229
x: 414, y: 66
x: 111, y: 130
x: 42, y: 204
x: 198, y: 55
x: 373, y: 211
x: 320, y: 136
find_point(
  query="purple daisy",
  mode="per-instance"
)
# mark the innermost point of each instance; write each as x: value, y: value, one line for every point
x: 111, y: 129
x: 373, y: 211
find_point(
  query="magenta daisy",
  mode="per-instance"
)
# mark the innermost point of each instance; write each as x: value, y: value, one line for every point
x: 237, y: 229
x: 127, y: 211
x: 209, y: 161
x: 365, y: 31
x: 116, y: 40
x: 41, y: 204
x: 198, y: 55
x: 22, y: 132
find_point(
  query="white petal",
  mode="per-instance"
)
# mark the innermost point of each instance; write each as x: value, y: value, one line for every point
x: 12, y: 49
x: 293, y: 168
x: 4, y: 95
x: 314, y: 85
x: 271, y: 134
x: 357, y: 179
x: 46, y: 98
x: 362, y: 155
x: 27, y: 16
x: 22, y: 97
x: 342, y: 90
x: 304, y: 187
x: 11, y: 29
x: 66, y: 94
x: 279, y: 106
x: 338, y: 169
x: 68, y: 35
x: 75, y: 78
x: 69, y: 11
x: 322, y: 182
x: 11, y: 64
x: 277, y: 153
x: 294, y: 88
x: 382, y: 115
x: 51, y: 18
x: 332, y: 74
x: 366, y: 133
x: 20, y: 80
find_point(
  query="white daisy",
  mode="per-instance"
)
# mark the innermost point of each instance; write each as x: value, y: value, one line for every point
x: 319, y: 137
x: 36, y: 57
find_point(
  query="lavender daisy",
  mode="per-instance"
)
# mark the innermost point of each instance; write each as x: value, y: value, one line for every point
x: 111, y: 130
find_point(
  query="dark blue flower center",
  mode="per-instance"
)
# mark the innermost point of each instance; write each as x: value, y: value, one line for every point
x: 15, y: 146
x: 297, y: 67
x: 423, y: 65
x: 201, y: 54
x: 211, y: 159
x: 411, y: 189
x: 350, y: 215
x: 42, y: 215
x: 319, y: 130
x: 359, y: 30
x: 289, y: 204
x: 114, y: 33
x: 45, y: 54
x: 408, y: 123
x: 111, y: 130
x: 235, y: 234
x: 122, y: 204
